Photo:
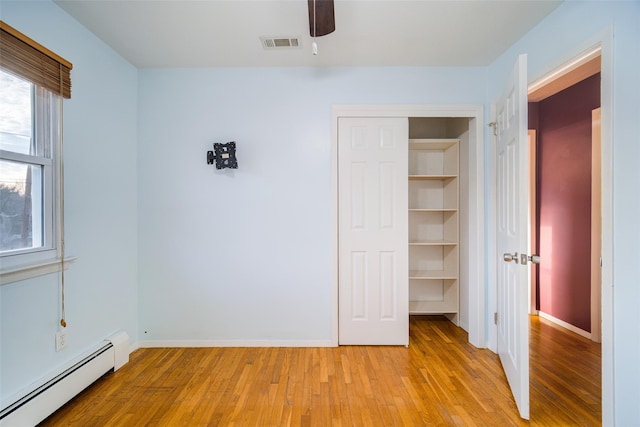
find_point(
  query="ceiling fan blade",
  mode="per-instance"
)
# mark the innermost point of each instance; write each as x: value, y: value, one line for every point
x: 325, y: 21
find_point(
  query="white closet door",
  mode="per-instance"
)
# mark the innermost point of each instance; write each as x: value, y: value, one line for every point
x: 373, y: 228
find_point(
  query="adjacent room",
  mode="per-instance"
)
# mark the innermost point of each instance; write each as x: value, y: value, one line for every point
x: 289, y: 212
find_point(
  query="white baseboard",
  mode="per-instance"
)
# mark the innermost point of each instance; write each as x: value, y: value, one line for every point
x: 233, y: 343
x: 565, y: 325
x: 38, y: 402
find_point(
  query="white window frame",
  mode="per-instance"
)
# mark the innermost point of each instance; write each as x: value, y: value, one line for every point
x: 27, y: 263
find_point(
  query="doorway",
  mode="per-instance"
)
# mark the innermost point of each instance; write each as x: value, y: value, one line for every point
x: 566, y: 199
x: 564, y: 230
x: 565, y: 215
x: 603, y: 42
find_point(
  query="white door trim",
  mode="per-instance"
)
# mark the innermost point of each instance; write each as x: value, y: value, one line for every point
x: 533, y: 238
x: 596, y: 225
x: 476, y: 247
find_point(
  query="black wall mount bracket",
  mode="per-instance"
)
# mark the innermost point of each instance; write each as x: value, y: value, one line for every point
x: 224, y: 156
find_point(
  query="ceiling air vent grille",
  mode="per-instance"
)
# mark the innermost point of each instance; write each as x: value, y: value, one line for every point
x: 270, y: 43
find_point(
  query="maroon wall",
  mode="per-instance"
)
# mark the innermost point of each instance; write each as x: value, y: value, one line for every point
x: 563, y: 124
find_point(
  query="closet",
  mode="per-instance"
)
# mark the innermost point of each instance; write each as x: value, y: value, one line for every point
x: 404, y: 192
x: 433, y: 226
x: 437, y: 175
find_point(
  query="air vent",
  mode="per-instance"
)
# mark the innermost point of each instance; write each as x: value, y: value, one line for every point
x: 270, y: 43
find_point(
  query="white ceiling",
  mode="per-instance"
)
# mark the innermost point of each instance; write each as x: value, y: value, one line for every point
x: 218, y: 33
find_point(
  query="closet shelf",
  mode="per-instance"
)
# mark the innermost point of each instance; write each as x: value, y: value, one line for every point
x: 433, y: 275
x: 432, y: 307
x: 431, y: 177
x: 432, y: 210
x: 436, y: 144
x: 433, y: 243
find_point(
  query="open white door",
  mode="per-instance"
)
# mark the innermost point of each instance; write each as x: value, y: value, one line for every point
x: 512, y: 206
x: 373, y: 226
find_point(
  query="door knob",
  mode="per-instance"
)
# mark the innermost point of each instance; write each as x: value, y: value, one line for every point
x: 510, y: 257
x: 534, y: 259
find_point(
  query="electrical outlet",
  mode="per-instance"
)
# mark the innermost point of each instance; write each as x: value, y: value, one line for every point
x: 61, y: 340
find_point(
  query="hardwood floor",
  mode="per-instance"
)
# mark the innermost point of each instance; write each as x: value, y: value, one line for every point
x: 565, y: 371
x: 439, y: 380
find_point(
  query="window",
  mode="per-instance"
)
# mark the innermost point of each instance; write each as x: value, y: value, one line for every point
x: 28, y: 169
x: 33, y: 82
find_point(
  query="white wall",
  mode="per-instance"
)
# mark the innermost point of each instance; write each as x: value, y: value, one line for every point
x: 565, y: 29
x: 100, y: 132
x: 245, y: 255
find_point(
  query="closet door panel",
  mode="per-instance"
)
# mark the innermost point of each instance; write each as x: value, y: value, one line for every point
x: 373, y: 228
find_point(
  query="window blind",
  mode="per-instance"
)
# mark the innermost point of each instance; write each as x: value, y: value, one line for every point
x: 30, y: 60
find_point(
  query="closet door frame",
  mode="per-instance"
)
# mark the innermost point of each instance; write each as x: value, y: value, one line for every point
x: 477, y: 260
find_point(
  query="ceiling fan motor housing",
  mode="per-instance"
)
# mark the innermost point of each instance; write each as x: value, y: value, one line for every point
x: 322, y: 19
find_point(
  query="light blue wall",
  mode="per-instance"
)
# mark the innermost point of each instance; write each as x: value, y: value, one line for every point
x: 246, y: 254
x: 568, y: 27
x: 100, y: 134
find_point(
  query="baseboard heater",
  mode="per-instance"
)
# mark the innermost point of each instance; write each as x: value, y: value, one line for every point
x: 50, y: 396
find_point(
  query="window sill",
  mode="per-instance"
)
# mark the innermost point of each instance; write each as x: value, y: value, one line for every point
x: 24, y: 272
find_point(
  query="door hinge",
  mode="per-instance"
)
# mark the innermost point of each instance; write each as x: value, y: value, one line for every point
x: 495, y: 318
x: 494, y: 126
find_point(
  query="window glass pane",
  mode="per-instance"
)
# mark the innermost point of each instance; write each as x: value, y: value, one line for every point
x: 20, y: 206
x: 16, y: 114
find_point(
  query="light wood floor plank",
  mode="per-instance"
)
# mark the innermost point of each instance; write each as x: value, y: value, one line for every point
x: 440, y: 380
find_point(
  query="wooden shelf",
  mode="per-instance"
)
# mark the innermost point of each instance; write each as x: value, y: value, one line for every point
x: 431, y: 177
x: 433, y: 226
x: 433, y: 243
x: 432, y: 210
x: 431, y: 307
x: 439, y: 144
x: 433, y: 275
